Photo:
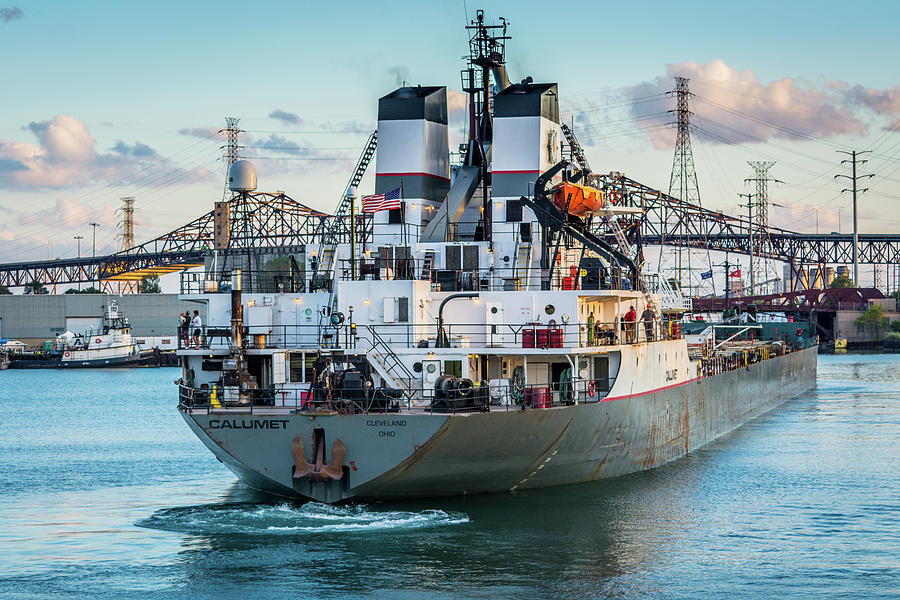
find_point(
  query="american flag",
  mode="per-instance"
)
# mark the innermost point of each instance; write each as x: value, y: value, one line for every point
x: 385, y: 201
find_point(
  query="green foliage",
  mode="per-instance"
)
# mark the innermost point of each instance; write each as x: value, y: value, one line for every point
x: 895, y: 326
x: 278, y: 266
x: 893, y: 335
x: 841, y: 281
x: 4, y: 291
x: 90, y: 290
x: 35, y: 287
x: 873, y: 318
x: 149, y: 285
x: 895, y: 295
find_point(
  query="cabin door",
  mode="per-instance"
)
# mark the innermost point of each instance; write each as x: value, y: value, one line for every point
x: 497, y: 332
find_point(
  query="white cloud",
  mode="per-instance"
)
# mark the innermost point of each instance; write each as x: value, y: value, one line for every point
x: 800, y: 108
x: 65, y: 155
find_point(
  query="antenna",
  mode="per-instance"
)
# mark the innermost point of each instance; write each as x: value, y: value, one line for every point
x: 487, y: 54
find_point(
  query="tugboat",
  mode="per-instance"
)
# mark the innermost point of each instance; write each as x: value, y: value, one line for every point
x: 111, y: 346
x: 484, y: 327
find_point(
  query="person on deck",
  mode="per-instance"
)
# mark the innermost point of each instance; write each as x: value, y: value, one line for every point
x: 630, y: 318
x: 183, y: 324
x: 648, y: 317
x: 196, y: 325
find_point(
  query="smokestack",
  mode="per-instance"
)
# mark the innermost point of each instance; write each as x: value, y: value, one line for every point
x: 526, y: 143
x: 237, y: 311
x: 413, y: 153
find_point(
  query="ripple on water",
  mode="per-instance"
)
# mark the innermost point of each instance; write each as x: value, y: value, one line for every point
x: 289, y: 518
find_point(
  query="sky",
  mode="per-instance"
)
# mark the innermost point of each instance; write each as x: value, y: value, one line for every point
x: 103, y: 100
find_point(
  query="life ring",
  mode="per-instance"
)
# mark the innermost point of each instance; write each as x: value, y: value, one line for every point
x: 98, y: 341
x: 592, y: 388
x: 613, y: 196
x: 66, y: 354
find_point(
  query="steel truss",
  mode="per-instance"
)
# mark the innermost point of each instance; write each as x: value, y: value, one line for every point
x: 263, y: 220
x: 257, y: 220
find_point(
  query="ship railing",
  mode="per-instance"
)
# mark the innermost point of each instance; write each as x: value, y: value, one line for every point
x: 499, y: 395
x: 362, y: 336
x: 505, y: 277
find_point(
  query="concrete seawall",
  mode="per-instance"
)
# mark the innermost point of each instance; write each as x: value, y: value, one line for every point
x: 41, y: 317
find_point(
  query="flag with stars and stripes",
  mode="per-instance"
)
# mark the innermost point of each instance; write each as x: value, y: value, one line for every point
x: 385, y: 201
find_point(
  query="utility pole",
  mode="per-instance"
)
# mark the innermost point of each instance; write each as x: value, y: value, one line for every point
x: 853, y: 154
x: 749, y: 206
x: 78, y: 239
x: 95, y: 225
x: 761, y: 180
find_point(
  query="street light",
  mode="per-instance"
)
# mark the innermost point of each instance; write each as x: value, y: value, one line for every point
x: 95, y: 225
x: 78, y: 239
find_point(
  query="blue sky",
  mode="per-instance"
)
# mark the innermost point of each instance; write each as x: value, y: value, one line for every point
x: 106, y: 99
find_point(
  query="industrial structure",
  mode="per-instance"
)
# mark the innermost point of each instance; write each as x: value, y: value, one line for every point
x: 249, y: 221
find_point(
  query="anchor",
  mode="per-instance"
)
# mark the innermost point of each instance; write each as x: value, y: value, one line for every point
x: 318, y: 471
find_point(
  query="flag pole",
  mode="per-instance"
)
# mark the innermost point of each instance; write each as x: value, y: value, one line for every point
x: 402, y: 215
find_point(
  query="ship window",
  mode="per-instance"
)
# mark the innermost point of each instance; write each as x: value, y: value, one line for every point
x: 308, y: 361
x: 295, y: 362
x: 453, y: 367
x: 300, y: 365
x: 470, y: 258
x: 513, y: 211
x: 549, y: 309
x: 395, y: 216
x: 453, y: 258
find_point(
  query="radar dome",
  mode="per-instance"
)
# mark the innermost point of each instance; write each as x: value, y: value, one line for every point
x: 242, y: 177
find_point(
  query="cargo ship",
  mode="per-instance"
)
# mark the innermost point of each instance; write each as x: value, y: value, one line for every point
x: 481, y: 326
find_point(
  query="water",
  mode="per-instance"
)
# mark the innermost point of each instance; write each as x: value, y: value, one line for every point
x: 104, y: 492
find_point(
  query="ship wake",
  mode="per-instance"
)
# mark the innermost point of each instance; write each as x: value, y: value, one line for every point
x: 292, y: 519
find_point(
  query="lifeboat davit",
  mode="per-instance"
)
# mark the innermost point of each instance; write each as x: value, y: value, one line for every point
x: 578, y: 200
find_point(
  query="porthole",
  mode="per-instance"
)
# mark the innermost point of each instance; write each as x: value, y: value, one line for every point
x: 417, y: 367
x: 494, y: 310
x: 431, y: 368
x: 549, y: 309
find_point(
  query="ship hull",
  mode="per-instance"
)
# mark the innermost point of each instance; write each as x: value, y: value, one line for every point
x: 144, y: 359
x: 396, y: 456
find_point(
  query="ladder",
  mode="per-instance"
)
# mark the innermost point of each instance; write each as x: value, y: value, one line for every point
x: 523, y: 262
x: 575, y: 147
x: 427, y: 266
x: 331, y: 236
x: 386, y: 362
